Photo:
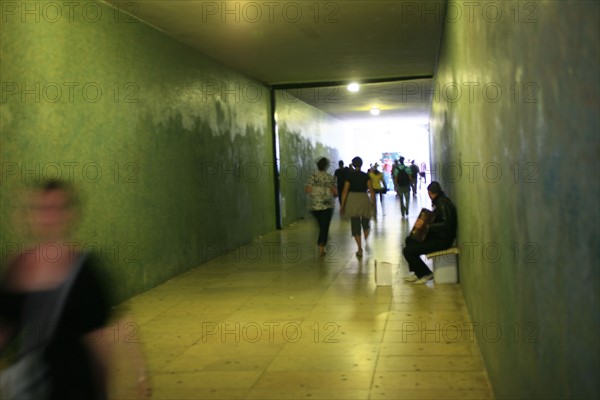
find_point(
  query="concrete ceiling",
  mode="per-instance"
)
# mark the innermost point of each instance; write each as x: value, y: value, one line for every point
x: 314, y: 48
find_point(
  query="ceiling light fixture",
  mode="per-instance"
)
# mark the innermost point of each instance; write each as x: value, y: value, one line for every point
x: 354, y: 87
x: 374, y: 111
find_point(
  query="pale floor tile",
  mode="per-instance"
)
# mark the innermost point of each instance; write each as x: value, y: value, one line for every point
x: 219, y: 361
x: 425, y: 335
x: 427, y: 349
x: 429, y: 394
x: 430, y: 363
x: 314, y: 394
x: 323, y: 380
x: 271, y: 320
x: 206, y: 380
x: 188, y: 393
x: 317, y: 362
x: 426, y: 380
x: 333, y: 346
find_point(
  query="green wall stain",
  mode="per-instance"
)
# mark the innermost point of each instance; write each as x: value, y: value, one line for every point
x: 303, y: 141
x: 171, y: 154
x: 171, y: 151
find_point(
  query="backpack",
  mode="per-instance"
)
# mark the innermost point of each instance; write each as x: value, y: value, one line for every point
x: 403, y: 178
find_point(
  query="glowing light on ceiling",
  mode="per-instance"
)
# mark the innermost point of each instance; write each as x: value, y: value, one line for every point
x: 354, y: 87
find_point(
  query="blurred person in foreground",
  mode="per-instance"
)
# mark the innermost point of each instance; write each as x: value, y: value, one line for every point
x: 54, y: 306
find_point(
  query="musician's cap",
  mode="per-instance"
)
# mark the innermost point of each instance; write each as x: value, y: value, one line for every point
x: 435, y: 187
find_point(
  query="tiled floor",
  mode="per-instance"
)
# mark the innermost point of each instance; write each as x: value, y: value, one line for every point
x: 273, y: 321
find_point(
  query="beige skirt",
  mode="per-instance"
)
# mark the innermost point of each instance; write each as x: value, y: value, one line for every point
x: 358, y: 204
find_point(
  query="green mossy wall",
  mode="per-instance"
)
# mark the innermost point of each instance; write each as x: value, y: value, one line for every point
x: 171, y: 151
x: 514, y: 132
x: 303, y: 132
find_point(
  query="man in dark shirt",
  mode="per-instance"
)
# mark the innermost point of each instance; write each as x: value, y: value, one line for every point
x: 402, y: 184
x: 440, y: 236
x: 414, y: 176
x: 340, y: 176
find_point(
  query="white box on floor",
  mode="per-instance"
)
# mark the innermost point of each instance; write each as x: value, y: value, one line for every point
x: 445, y: 272
x: 383, y: 273
x: 445, y: 269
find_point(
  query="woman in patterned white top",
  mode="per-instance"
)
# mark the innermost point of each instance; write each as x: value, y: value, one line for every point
x: 322, y: 191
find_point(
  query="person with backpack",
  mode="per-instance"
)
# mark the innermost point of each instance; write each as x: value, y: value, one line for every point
x: 402, y: 184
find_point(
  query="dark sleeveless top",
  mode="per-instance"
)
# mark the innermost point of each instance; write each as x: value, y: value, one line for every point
x: 358, y: 181
x: 86, y: 308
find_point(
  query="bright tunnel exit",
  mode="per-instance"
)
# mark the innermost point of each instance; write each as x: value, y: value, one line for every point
x: 371, y: 138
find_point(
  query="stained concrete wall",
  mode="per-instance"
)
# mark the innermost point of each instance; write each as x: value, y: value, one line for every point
x: 515, y: 138
x: 305, y: 135
x: 171, y: 151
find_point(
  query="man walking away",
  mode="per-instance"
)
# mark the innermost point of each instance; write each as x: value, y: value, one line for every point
x: 414, y: 176
x: 402, y: 183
